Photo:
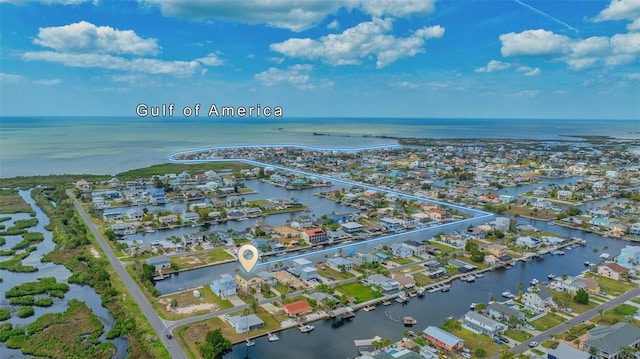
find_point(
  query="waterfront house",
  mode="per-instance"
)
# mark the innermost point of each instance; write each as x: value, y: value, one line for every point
x: 495, y: 249
x: 339, y: 264
x: 634, y: 229
x: 480, y: 324
x: 539, y: 300
x: 159, y: 263
x: 564, y: 195
x: 123, y: 229
x: 476, y: 233
x: 267, y: 278
x: 223, y: 287
x: 135, y: 214
x: 112, y: 215
x: 564, y: 351
x: 502, y: 223
x: 405, y: 281
x: 609, y: 342
x: 612, y: 270
x: 248, y: 282
x: 629, y: 256
x: 351, y: 227
x: 168, y: 219
x: 529, y: 242
x: 391, y: 224
x: 297, y: 308
x: 503, y: 312
x: 443, y: 339
x: 400, y: 250
x: 243, y: 324
x: 320, y: 298
x: 542, y: 203
x: 417, y: 247
x: 301, y: 222
x: 314, y: 235
x: 570, y: 285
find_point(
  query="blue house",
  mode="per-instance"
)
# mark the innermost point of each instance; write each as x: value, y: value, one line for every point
x: 224, y: 287
x: 158, y: 196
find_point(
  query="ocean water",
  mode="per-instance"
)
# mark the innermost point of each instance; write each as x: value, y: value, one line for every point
x: 105, y: 145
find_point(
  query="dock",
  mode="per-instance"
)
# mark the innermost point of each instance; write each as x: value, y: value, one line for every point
x: 342, y: 313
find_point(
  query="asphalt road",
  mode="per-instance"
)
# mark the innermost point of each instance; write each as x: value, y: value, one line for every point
x: 561, y: 328
x: 158, y: 324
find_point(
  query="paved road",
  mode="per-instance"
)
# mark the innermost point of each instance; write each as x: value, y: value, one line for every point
x: 156, y: 322
x: 561, y: 328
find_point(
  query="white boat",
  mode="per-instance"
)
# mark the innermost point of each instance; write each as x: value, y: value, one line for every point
x: 272, y: 337
x: 421, y: 291
x: 369, y: 308
x: 471, y: 278
x: 534, y: 281
x: 249, y: 343
x: 479, y: 275
x: 409, y: 321
x: 558, y: 253
x: 551, y: 276
x: 473, y: 306
x: 401, y: 298
x: 605, y: 256
x: 306, y: 328
x: 445, y: 288
x: 587, y: 263
x: 507, y: 294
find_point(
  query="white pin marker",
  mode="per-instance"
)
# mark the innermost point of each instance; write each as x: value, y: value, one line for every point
x: 248, y: 256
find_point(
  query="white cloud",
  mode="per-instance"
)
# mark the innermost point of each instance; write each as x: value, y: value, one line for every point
x: 560, y: 92
x: 620, y: 10
x: 293, y: 15
x: 493, y: 66
x: 295, y: 75
x: 578, y: 54
x: 48, y: 82
x: 366, y: 39
x: 333, y: 25
x: 533, y: 42
x: 50, y: 2
x: 529, y: 71
x: 10, y: 78
x: 634, y: 76
x: 406, y: 84
x: 526, y: 93
x: 104, y: 61
x: 211, y: 60
x: 635, y: 25
x: 87, y: 37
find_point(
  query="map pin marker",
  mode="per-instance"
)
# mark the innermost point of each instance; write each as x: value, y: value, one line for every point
x: 248, y: 256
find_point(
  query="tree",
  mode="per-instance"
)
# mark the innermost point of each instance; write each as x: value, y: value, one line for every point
x: 215, y: 345
x: 174, y: 303
x: 481, y: 307
x: 581, y: 297
x: 480, y: 352
x: 254, y: 305
x: 520, y: 288
x: 505, y: 353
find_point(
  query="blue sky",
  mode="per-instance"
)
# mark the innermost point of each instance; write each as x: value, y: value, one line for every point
x: 381, y: 58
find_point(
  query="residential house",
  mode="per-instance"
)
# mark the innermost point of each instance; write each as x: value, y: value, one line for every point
x: 314, y: 235
x: 267, y: 278
x: 168, y: 219
x: 495, y: 249
x: 339, y: 264
x: 612, y: 270
x: 629, y: 256
x: 405, y: 281
x: 135, y: 214
x: 476, y: 233
x: 122, y: 229
x: 529, y: 242
x: 112, y: 215
x: 443, y: 339
x: 417, y: 247
x: 400, y: 250
x: 159, y: 263
x: 243, y: 324
x: 609, y: 342
x: 304, y: 269
x: 351, y: 227
x: 542, y: 203
x: 391, y: 224
x: 564, y: 351
x: 564, y: 195
x: 320, y: 298
x: 504, y: 313
x: 297, y: 308
x: 481, y: 324
x: 538, y: 299
x: 570, y: 285
x: 502, y: 223
x: 261, y: 227
x: 223, y: 287
x: 301, y: 222
x: 247, y: 282
x: 634, y: 229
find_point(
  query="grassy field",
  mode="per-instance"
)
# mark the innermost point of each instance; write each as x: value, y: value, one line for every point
x: 188, y: 305
x: 518, y: 335
x: 612, y: 286
x: 202, y: 258
x: 401, y: 261
x: 529, y: 212
x: 177, y: 168
x: 358, y: 291
x: 617, y: 314
x: 474, y: 341
x: 564, y: 301
x: 445, y: 249
x: 11, y: 202
x: 547, y: 322
x: 327, y: 272
x: 422, y: 279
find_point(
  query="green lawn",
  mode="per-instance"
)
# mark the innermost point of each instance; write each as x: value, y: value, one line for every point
x: 617, y: 314
x: 360, y: 292
x: 567, y: 301
x: 517, y: 335
x: 201, y: 258
x: 402, y: 261
x: 326, y: 272
x: 612, y: 286
x: 547, y: 322
x: 185, y: 300
x: 422, y: 279
x: 474, y: 341
x: 443, y: 247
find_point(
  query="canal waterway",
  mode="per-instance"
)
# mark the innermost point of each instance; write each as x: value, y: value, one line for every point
x: 329, y: 340
x: 85, y: 294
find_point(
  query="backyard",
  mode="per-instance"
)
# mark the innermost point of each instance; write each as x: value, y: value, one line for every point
x: 360, y: 292
x: 547, y: 322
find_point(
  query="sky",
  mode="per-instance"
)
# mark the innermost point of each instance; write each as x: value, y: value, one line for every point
x: 340, y: 58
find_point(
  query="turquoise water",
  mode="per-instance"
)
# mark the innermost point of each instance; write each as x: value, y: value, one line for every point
x: 40, y: 146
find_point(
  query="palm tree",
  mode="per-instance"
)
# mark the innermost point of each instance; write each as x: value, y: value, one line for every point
x: 520, y: 288
x: 254, y: 305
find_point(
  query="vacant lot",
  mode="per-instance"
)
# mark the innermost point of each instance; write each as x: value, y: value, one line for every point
x: 202, y: 258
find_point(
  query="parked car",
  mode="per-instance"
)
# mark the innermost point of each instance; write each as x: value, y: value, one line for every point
x: 503, y: 339
x: 169, y: 336
x: 533, y: 344
x: 466, y: 355
x: 497, y: 340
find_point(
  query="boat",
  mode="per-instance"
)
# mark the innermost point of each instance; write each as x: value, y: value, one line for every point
x: 471, y: 278
x: 551, y: 276
x: 409, y: 321
x: 249, y: 342
x: 507, y: 294
x: 534, y: 281
x: 272, y: 337
x: 587, y: 263
x: 420, y: 291
x: 306, y: 328
x: 558, y: 253
x: 445, y: 288
x: 605, y: 256
x: 473, y: 306
x: 412, y: 294
x: 386, y: 302
x: 479, y: 275
x: 402, y: 298
x: 568, y: 247
x: 369, y: 308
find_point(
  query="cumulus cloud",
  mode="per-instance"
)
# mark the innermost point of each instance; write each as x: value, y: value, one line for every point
x: 295, y: 75
x: 6, y: 78
x: 47, y: 82
x: 620, y: 10
x: 211, y: 60
x: 366, y: 39
x: 87, y: 37
x: 529, y: 71
x: 333, y: 25
x: 578, y: 54
x: 493, y: 66
x: 293, y: 15
x: 110, y: 62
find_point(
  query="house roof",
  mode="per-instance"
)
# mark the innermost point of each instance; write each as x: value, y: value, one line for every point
x: 505, y: 310
x: 616, y: 267
x: 483, y: 320
x: 442, y: 335
x: 296, y: 308
x: 612, y: 339
x: 248, y: 321
x: 564, y: 351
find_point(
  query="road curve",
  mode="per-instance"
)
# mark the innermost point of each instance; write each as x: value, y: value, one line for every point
x: 156, y: 322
